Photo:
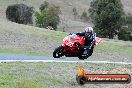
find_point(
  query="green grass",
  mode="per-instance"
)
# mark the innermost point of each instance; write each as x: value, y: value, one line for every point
x: 21, y: 52
x: 103, y: 47
x: 111, y: 47
x: 49, y: 34
x: 47, y: 75
x: 32, y: 36
x: 51, y: 39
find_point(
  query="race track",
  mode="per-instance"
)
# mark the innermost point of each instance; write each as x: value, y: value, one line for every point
x: 38, y: 58
x: 23, y: 58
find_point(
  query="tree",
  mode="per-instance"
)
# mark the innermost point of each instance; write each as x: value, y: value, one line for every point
x: 129, y: 21
x: 92, y: 9
x: 84, y: 16
x: 107, y: 16
x: 41, y: 18
x: 19, y: 13
x: 48, y: 17
x: 124, y: 34
x: 75, y: 12
x: 44, y: 5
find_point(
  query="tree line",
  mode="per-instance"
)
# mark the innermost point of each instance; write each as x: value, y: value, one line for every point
x: 109, y: 19
x: 107, y: 16
x: 48, y: 15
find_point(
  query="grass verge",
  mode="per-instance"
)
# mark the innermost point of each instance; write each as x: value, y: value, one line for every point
x: 111, y: 47
x: 22, y: 52
x: 49, y: 75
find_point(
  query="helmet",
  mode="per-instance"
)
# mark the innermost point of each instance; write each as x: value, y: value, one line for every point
x: 89, y: 29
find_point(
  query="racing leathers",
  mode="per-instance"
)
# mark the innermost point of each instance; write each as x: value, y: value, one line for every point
x: 88, y: 47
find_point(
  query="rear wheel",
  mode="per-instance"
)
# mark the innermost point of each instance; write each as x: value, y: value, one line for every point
x: 84, y: 54
x: 83, y: 57
x: 91, y: 51
x: 58, y: 52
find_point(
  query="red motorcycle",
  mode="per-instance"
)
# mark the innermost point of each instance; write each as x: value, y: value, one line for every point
x: 70, y: 47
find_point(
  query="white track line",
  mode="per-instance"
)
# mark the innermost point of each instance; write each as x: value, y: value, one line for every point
x: 2, y: 61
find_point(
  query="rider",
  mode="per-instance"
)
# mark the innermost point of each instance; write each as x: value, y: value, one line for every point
x: 89, y: 36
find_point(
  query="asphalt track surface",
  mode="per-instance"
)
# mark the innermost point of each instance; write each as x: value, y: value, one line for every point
x: 24, y: 58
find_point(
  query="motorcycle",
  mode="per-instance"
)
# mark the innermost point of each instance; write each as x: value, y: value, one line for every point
x: 71, y: 47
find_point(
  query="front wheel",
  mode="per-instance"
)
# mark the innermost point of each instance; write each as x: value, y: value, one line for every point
x: 58, y: 52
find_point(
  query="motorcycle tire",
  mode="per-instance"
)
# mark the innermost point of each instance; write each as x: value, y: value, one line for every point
x: 91, y: 52
x: 83, y: 57
x: 58, y: 52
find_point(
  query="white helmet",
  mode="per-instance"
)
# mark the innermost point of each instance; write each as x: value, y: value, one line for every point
x: 88, y: 29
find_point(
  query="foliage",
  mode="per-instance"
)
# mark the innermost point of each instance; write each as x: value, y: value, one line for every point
x: 107, y: 16
x: 19, y: 13
x: 44, y: 5
x: 124, y: 34
x: 75, y: 12
x: 84, y: 16
x: 48, y: 17
x: 92, y: 9
x: 41, y: 18
x: 129, y: 21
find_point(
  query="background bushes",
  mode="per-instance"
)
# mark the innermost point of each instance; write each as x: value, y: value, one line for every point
x: 19, y: 13
x: 125, y: 34
x: 22, y: 14
x: 48, y: 16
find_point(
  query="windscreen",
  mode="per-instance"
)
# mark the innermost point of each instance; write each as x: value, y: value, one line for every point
x: 73, y: 36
